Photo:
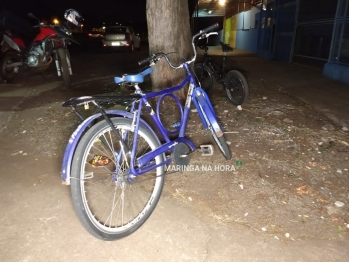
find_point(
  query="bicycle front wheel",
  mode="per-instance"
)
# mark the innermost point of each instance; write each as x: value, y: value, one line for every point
x: 220, y: 141
x: 109, y: 202
x: 204, y: 76
x: 236, y: 87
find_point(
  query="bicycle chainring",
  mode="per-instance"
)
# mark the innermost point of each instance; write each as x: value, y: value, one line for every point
x: 180, y: 155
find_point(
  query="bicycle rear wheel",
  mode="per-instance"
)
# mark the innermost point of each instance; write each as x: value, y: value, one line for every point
x: 107, y: 204
x: 236, y: 87
x: 204, y: 76
x: 220, y: 141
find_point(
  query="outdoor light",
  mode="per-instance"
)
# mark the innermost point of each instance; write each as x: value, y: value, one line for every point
x: 209, y: 11
x: 55, y: 21
x: 222, y: 2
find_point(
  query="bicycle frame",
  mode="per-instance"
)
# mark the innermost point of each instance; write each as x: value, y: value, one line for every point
x: 143, y: 164
x: 217, y: 70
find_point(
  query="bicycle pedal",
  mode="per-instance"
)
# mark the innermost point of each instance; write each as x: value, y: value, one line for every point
x: 206, y: 150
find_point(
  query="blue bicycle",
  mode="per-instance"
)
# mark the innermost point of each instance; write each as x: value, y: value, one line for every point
x: 116, y: 167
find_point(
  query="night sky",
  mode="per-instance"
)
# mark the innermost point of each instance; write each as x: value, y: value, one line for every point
x: 132, y: 12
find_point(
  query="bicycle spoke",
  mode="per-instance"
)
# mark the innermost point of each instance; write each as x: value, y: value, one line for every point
x: 114, y: 204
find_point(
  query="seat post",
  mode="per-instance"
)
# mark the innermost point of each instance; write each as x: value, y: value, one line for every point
x: 224, y: 58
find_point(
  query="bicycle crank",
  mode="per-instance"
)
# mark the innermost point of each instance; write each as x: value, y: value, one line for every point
x: 180, y: 155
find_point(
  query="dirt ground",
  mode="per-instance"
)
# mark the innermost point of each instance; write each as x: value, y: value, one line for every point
x: 293, y: 181
x: 294, y: 173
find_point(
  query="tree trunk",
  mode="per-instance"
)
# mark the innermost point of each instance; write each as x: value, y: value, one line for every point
x: 168, y: 31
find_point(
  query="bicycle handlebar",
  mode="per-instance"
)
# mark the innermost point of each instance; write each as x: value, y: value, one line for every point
x: 155, y: 57
x: 206, y: 30
x: 146, y: 60
x: 208, y: 35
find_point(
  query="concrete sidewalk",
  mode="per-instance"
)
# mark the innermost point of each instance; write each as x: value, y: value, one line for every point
x: 329, y: 97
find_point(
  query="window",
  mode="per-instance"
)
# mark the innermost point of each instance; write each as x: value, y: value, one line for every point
x: 314, y: 10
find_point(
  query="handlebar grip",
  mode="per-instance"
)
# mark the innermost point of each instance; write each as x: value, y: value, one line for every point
x: 210, y: 28
x: 145, y: 61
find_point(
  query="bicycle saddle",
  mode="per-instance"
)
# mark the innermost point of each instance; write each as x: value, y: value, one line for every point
x: 226, y: 48
x: 133, y: 78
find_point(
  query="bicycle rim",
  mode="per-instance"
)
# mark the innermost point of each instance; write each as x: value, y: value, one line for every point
x: 204, y: 76
x: 108, y: 205
x: 236, y: 87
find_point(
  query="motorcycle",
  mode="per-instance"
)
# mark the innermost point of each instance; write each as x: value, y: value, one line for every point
x: 49, y: 43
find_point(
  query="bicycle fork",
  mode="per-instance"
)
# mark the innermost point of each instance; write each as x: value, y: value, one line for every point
x: 206, y: 112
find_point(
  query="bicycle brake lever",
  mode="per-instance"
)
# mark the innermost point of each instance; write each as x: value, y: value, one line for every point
x: 154, y: 61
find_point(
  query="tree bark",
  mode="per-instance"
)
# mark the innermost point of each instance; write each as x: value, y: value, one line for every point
x: 168, y: 31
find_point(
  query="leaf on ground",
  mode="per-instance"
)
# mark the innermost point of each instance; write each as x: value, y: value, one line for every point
x: 303, y: 190
x: 323, y: 200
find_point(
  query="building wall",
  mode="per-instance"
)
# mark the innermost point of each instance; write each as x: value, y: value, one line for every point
x: 230, y: 28
x: 245, y: 31
x: 241, y: 30
x: 227, y: 29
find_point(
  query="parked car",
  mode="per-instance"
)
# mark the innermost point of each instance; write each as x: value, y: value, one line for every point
x: 121, y: 37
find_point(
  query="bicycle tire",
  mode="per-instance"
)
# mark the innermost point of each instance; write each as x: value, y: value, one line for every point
x: 220, y: 141
x: 236, y: 87
x: 109, y: 206
x: 204, y: 76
